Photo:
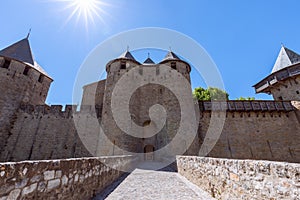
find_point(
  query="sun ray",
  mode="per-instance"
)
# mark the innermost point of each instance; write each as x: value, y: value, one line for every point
x: 85, y: 10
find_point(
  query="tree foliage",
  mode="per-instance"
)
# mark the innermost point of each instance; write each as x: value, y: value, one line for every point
x: 210, y: 93
x: 246, y: 98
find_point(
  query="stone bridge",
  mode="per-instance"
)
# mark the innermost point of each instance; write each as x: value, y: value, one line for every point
x: 103, y: 178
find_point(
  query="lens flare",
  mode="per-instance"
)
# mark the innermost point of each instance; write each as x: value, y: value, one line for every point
x: 86, y: 10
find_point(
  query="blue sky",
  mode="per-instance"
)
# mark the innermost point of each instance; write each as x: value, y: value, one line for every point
x: 242, y: 37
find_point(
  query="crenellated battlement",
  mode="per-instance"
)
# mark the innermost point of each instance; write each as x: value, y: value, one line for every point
x: 24, y: 81
x: 246, y: 106
x: 17, y: 68
x: 60, y: 110
x: 204, y: 106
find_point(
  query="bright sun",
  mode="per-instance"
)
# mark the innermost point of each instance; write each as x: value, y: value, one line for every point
x: 85, y: 9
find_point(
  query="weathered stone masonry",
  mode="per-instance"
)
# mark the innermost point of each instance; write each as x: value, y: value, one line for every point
x: 267, y: 130
x: 252, y: 130
x: 41, y: 133
x: 61, y: 179
x: 242, y: 179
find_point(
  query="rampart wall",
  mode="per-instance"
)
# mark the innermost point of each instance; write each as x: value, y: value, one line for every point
x: 43, y: 132
x: 267, y: 130
x: 264, y: 130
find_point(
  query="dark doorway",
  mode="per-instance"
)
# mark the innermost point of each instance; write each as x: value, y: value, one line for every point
x: 149, y: 152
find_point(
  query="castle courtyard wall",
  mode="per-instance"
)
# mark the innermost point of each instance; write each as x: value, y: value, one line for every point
x: 43, y: 132
x: 251, y: 132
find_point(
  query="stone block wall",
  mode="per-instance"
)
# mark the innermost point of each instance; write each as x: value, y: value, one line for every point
x: 242, y: 179
x: 93, y: 93
x: 42, y: 133
x: 60, y: 179
x: 18, y: 87
x: 260, y: 130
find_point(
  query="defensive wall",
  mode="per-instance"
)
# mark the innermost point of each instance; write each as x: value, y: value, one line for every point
x: 61, y: 179
x: 242, y: 179
x: 266, y: 130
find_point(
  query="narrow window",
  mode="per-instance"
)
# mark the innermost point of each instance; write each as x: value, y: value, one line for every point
x: 141, y: 71
x: 157, y: 71
x: 6, y: 64
x: 26, y: 70
x: 173, y: 65
x: 41, y: 78
x: 123, y: 65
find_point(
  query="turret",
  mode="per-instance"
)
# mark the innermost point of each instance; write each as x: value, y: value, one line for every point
x: 22, y: 78
x: 124, y: 62
x: 283, y: 82
x: 173, y: 61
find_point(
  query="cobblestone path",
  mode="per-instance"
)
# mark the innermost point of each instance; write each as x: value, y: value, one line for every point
x: 150, y: 184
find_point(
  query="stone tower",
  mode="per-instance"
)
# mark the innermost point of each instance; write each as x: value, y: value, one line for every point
x: 283, y: 82
x: 22, y: 80
x: 142, y: 98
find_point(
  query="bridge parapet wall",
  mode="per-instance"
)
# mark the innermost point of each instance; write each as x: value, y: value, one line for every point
x: 60, y: 179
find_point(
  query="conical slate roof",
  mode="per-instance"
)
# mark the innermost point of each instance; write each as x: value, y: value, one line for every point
x: 285, y: 58
x: 149, y: 61
x: 19, y: 51
x: 127, y: 55
x: 171, y: 56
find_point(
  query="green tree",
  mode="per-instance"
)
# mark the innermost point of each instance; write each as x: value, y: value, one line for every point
x: 210, y: 93
x: 246, y: 98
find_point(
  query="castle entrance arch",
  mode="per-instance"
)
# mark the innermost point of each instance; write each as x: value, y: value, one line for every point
x: 149, y: 152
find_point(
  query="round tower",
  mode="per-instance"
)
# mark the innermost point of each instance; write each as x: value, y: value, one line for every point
x: 115, y: 70
x: 22, y: 80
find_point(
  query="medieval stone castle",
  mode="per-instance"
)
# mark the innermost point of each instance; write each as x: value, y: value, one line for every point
x: 32, y: 130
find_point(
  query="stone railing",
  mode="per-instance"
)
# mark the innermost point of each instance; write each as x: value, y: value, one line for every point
x: 242, y: 179
x: 61, y: 179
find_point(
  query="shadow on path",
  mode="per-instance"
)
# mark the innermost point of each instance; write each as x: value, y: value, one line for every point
x: 156, y: 166
x: 109, y: 189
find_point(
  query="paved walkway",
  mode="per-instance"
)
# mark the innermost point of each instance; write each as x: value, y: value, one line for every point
x: 150, y: 184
